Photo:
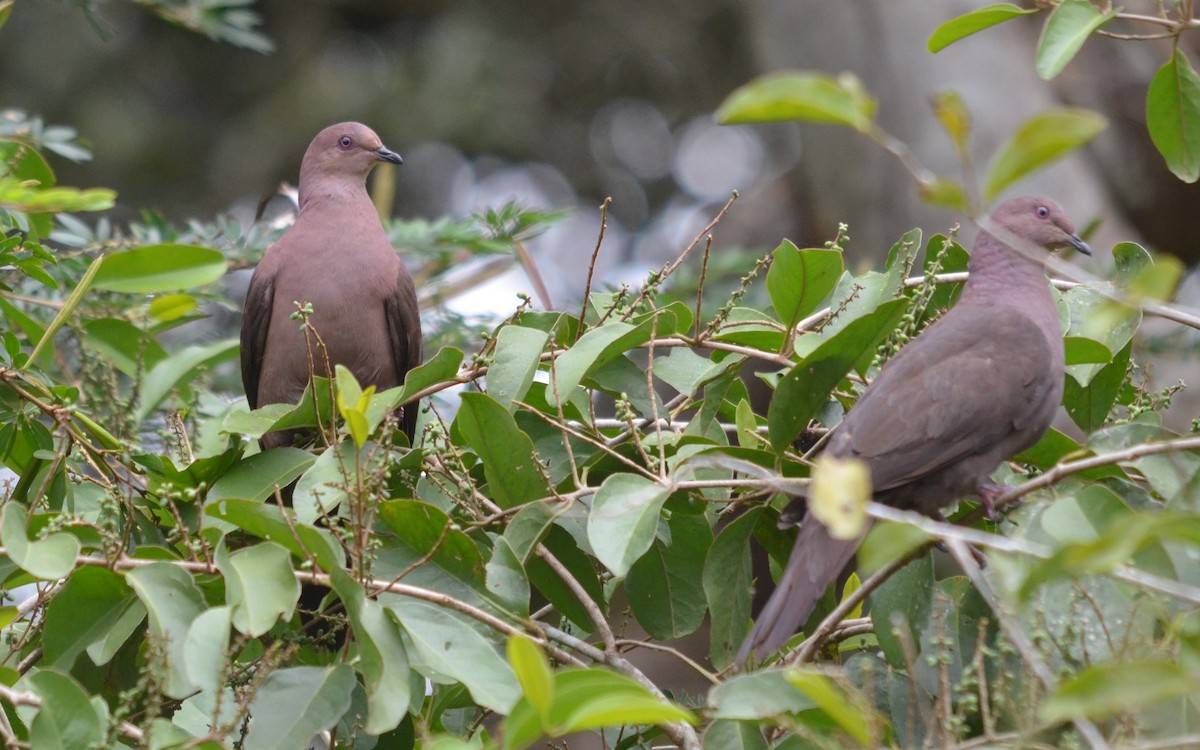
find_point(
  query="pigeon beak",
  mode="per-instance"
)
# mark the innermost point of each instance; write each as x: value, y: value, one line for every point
x: 389, y: 156
x: 1079, y: 244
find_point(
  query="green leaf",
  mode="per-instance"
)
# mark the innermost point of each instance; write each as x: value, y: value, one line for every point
x: 447, y: 648
x: 969, y: 23
x: 381, y: 657
x: 67, y: 310
x: 1129, y: 258
x: 589, y: 699
x: 509, y: 460
x: 834, y: 702
x: 259, y: 476
x: 724, y: 734
x: 904, y: 600
x: 16, y: 195
x: 169, y: 307
x: 267, y: 522
x: 518, y: 353
x: 206, y: 649
x: 176, y: 370
x: 1101, y: 319
x: 322, y: 487
x: 800, y: 280
x: 49, y: 558
x: 1157, y: 281
x: 807, y: 97
x: 757, y: 695
x: 173, y: 602
x: 594, y: 348
x: 1081, y: 350
x: 122, y: 343
x: 295, y: 703
x: 808, y: 385
x: 160, y: 268
x: 1173, y: 116
x: 888, y: 541
x: 727, y: 580
x: 67, y: 720
x: 260, y: 587
x: 951, y: 112
x: 1037, y: 142
x: 664, y: 585
x: 624, y: 519
x: 581, y: 566
x: 943, y: 192
x: 533, y: 672
x: 352, y: 403
x: 1088, y: 406
x: 6, y: 7
x: 446, y: 559
x: 98, y: 591
x: 1067, y: 28
x: 1103, y: 690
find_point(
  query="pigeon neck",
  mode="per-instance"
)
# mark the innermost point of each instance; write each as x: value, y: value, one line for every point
x: 1000, y: 275
x: 331, y: 188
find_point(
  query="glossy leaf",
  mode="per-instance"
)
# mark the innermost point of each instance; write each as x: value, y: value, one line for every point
x: 445, y: 646
x: 664, y: 585
x: 518, y: 353
x: 803, y: 96
x: 295, y: 703
x: 67, y: 719
x: 974, y: 21
x: 533, y: 672
x: 160, y: 268
x: 1040, y: 140
x: 267, y: 522
x: 624, y: 518
x: 101, y: 593
x: 260, y: 587
x: 381, y: 656
x: 799, y: 280
x: 1173, y: 116
x: 808, y: 385
x: 175, y: 371
x: 1103, y: 690
x: 727, y: 579
x: 509, y: 460
x: 173, y: 602
x: 49, y: 558
x: 594, y: 348
x: 757, y: 695
x: 1067, y: 28
x: 261, y: 475
x: 833, y: 701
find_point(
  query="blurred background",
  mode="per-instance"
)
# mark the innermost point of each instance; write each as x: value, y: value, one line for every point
x: 565, y: 103
x: 559, y: 105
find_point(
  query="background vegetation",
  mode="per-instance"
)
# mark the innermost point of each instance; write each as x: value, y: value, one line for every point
x: 568, y: 556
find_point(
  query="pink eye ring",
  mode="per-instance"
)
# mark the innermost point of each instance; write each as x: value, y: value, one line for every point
x: 345, y: 142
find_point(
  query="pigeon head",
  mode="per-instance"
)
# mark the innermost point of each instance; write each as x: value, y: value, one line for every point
x: 345, y: 150
x: 1040, y: 221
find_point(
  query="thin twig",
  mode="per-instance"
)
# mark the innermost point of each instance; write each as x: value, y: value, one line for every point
x: 587, y: 287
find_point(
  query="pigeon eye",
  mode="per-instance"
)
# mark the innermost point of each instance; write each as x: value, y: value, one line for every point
x: 345, y: 142
x: 1043, y: 212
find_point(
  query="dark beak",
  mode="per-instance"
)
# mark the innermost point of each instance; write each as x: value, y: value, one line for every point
x: 391, y: 156
x: 1078, y: 244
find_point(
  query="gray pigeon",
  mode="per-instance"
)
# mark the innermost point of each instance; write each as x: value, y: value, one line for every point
x: 976, y: 387
x: 338, y: 258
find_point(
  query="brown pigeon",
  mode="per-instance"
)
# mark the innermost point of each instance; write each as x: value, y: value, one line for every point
x: 976, y: 387
x: 337, y: 258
